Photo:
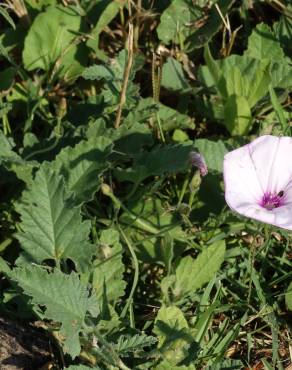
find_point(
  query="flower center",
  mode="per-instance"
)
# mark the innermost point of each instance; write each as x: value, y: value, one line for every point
x: 271, y: 201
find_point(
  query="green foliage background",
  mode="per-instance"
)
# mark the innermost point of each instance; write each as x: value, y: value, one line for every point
x: 108, y: 234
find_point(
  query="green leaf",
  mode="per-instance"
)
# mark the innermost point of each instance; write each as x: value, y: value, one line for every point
x: 82, y: 367
x: 262, y: 44
x: 166, y: 365
x: 6, y: 15
x: 192, y: 274
x: 6, y: 148
x: 107, y: 273
x: 66, y: 300
x: 283, y: 31
x: 267, y: 365
x: 82, y: 167
x: 50, y: 42
x: 4, y: 109
x: 173, y: 77
x: 99, y: 72
x: 128, y: 344
x: 49, y: 229
x: 259, y: 84
x: 202, y: 35
x: 236, y: 83
x: 4, y: 267
x: 213, y: 152
x: 281, y: 74
x: 171, y: 119
x: 7, y: 77
x: 144, y: 110
x: 107, y: 15
x: 12, y: 161
x: 215, y: 72
x: 227, y: 365
x: 161, y: 160
x: 174, y: 335
x: 180, y: 136
x: 237, y: 114
x: 279, y: 110
x: 113, y: 72
x: 131, y: 140
x: 175, y: 21
x: 288, y: 297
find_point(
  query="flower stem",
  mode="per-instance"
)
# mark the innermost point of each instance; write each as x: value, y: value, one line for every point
x: 251, y: 259
x: 136, y: 276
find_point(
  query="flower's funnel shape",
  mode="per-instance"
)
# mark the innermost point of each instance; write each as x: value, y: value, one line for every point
x: 258, y: 180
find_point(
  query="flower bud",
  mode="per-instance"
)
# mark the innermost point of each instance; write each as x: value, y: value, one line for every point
x: 198, y: 161
x: 106, y: 189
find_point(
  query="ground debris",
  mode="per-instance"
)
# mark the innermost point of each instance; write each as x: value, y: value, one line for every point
x: 22, y: 347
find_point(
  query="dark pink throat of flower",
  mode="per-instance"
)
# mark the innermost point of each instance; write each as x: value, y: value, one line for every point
x: 271, y: 201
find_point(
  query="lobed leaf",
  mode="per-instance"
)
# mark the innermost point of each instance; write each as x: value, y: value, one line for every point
x: 136, y: 342
x: 49, y: 229
x: 65, y: 298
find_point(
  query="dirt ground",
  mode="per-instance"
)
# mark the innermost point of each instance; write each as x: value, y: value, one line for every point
x: 23, y: 347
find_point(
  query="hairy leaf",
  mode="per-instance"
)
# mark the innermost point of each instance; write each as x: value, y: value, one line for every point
x: 137, y: 342
x: 49, y: 229
x: 82, y: 166
x: 6, y: 148
x: 161, y: 160
x: 65, y: 298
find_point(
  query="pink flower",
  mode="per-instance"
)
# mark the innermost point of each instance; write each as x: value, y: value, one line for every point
x: 198, y: 161
x: 258, y: 180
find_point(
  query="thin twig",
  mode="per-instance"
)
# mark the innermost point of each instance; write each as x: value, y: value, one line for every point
x: 126, y: 72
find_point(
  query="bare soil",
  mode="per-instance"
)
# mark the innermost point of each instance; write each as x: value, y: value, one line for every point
x: 23, y: 347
